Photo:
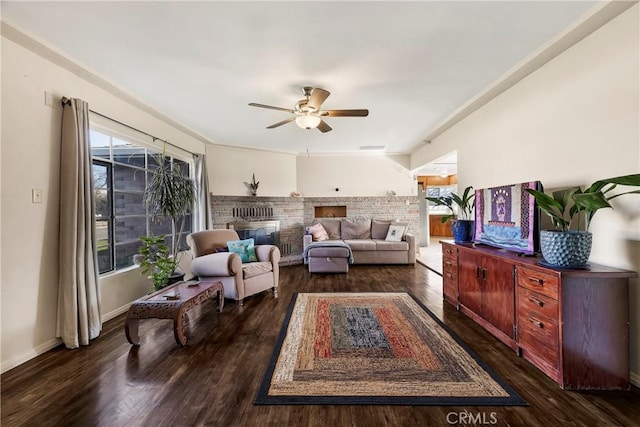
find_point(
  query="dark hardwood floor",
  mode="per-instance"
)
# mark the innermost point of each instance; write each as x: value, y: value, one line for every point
x: 213, y: 380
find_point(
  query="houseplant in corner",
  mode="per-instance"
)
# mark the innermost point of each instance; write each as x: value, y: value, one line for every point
x: 168, y: 195
x: 571, y: 211
x: 461, y: 208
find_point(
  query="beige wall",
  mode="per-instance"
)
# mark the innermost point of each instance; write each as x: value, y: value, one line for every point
x: 573, y: 121
x: 364, y: 175
x: 229, y: 168
x: 30, y: 157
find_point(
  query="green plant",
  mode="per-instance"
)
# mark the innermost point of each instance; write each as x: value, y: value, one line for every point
x: 170, y: 195
x: 565, y: 206
x: 465, y: 204
x: 155, y: 260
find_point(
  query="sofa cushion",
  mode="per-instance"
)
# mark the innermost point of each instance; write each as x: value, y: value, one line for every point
x: 355, y: 228
x: 385, y: 245
x: 318, y: 232
x: 332, y: 225
x: 361, y: 244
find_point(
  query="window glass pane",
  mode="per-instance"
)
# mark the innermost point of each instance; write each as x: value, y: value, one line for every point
x: 158, y: 227
x: 101, y: 194
x: 124, y: 152
x: 127, y: 178
x: 105, y: 258
x: 153, y: 159
x: 125, y: 253
x: 182, y: 167
x: 100, y: 144
x: 127, y: 203
x: 128, y: 229
x: 188, y: 224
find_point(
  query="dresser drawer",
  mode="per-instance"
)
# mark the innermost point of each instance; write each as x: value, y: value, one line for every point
x: 450, y: 265
x: 539, y: 337
x: 538, y: 281
x: 537, y: 305
x: 449, y: 251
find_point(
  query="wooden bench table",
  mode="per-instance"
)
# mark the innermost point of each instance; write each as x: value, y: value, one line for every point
x: 172, y: 302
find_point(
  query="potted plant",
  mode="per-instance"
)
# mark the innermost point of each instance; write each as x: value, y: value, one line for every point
x: 462, y: 225
x: 168, y: 195
x: 571, y: 211
x: 155, y: 261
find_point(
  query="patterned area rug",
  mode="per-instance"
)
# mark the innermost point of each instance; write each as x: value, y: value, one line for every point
x: 374, y: 348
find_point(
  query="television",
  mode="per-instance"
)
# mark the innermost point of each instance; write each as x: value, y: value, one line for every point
x: 507, y: 217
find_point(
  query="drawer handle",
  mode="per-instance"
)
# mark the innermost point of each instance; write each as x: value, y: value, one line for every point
x: 447, y: 263
x: 536, y: 322
x: 536, y: 301
x: 478, y: 272
x: 536, y: 281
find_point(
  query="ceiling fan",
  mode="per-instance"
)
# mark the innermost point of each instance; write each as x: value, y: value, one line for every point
x: 307, y: 112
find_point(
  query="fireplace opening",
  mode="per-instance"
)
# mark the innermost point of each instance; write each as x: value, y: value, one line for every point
x: 262, y: 232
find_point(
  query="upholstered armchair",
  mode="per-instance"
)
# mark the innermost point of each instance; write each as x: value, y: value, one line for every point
x: 239, y: 280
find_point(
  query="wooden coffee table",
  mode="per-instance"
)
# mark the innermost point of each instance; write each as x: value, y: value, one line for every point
x: 172, y: 302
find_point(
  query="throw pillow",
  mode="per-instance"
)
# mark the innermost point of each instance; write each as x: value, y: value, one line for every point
x: 332, y: 225
x: 395, y: 233
x: 318, y: 233
x: 245, y: 248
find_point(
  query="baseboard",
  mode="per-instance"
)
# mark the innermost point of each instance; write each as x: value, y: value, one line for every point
x: 635, y: 379
x: 115, y: 313
x: 42, y: 348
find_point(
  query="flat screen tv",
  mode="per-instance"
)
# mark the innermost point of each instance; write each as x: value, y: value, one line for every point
x: 507, y: 217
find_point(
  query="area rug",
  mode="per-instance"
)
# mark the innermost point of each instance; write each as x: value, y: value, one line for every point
x: 374, y: 348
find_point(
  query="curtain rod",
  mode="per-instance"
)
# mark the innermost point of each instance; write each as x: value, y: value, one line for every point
x: 66, y: 100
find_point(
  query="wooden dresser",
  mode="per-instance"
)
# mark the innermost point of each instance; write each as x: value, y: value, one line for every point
x: 572, y: 324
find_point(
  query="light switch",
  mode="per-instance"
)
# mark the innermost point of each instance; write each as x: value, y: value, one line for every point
x: 36, y: 195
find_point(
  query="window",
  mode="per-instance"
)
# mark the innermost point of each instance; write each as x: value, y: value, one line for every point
x: 121, y: 167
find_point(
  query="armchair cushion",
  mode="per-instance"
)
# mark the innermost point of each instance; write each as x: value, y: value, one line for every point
x: 244, y: 248
x: 256, y: 268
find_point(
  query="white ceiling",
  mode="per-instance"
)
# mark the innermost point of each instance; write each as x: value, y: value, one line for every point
x: 411, y: 64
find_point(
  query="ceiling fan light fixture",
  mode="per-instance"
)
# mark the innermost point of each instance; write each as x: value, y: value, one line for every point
x: 307, y: 121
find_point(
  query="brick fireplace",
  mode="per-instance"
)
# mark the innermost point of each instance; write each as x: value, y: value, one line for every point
x: 294, y: 213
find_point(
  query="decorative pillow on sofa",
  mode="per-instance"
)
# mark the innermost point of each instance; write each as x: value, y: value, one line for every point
x: 318, y: 233
x: 245, y: 248
x: 395, y: 233
x: 332, y: 225
x: 355, y: 228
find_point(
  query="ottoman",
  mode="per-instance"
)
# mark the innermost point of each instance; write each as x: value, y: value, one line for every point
x: 328, y: 260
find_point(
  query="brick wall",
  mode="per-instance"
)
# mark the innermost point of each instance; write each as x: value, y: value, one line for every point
x: 296, y: 213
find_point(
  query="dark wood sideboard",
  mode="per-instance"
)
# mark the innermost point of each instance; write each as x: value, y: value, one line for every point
x: 572, y: 324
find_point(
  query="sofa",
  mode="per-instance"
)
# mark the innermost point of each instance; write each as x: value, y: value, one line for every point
x: 357, y: 241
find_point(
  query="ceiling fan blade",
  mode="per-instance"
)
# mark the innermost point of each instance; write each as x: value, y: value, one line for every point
x: 324, y: 127
x: 318, y: 96
x: 284, y: 122
x: 345, y: 113
x: 271, y: 107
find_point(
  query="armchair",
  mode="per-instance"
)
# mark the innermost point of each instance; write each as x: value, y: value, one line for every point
x: 239, y: 280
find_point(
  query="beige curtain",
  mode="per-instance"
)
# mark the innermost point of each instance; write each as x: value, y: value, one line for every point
x: 202, y: 213
x: 78, y: 294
